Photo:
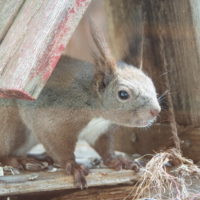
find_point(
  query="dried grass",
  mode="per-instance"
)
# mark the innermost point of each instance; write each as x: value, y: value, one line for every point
x: 167, y: 175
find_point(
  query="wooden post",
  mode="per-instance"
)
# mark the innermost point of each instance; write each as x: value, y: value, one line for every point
x: 170, y: 48
x: 128, y: 28
x: 33, y: 45
x: 174, y: 30
x: 173, y: 27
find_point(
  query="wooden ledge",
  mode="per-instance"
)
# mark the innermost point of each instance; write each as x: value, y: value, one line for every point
x: 53, y: 181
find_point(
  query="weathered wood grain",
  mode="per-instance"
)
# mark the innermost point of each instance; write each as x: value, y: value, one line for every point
x: 34, y: 43
x: 129, y: 31
x: 191, y: 143
x: 102, y: 184
x: 118, y: 193
x: 174, y: 29
x: 53, y: 181
x: 126, y: 29
x: 157, y: 138
x: 8, y: 12
x: 170, y: 48
x: 103, y: 193
x: 81, y: 41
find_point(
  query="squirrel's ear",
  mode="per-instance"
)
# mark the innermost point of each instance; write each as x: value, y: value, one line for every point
x: 105, y: 64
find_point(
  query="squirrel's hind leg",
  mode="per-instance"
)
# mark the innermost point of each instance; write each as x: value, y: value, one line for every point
x: 60, y: 142
x: 15, y: 138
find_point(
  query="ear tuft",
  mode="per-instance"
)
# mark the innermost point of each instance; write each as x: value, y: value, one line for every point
x: 103, y: 59
x: 104, y: 62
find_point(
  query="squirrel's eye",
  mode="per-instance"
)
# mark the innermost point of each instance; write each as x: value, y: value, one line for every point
x: 123, y: 95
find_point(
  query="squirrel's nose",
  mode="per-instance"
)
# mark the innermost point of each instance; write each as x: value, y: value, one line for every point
x: 155, y: 112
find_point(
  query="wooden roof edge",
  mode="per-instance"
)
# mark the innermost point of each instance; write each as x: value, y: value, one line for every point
x: 34, y: 43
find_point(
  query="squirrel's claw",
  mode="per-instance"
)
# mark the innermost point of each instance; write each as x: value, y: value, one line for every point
x: 79, y: 172
x: 120, y: 162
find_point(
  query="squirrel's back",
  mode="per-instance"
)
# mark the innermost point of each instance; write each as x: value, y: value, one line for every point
x: 69, y: 85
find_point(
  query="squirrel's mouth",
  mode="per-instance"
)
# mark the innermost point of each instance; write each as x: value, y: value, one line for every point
x: 145, y: 123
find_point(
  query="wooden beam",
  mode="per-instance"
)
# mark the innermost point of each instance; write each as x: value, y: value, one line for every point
x: 8, y: 12
x: 103, y: 193
x: 102, y: 184
x: 117, y: 193
x: 34, y: 43
x: 53, y: 181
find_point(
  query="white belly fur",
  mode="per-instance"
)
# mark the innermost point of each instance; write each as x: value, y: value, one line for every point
x: 94, y: 129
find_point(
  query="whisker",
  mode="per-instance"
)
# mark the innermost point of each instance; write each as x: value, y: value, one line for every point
x: 164, y: 105
x: 163, y: 121
x: 159, y: 117
x: 164, y: 73
x: 162, y: 98
x: 163, y: 94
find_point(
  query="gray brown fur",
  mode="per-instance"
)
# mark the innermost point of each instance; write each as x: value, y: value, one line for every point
x: 77, y: 93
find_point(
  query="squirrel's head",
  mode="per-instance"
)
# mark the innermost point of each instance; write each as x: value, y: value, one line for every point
x: 127, y: 95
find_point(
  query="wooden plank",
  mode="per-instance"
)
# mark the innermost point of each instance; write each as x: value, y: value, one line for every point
x: 53, y: 181
x: 174, y: 31
x: 191, y: 143
x: 102, y: 184
x: 129, y: 32
x: 142, y: 141
x: 34, y: 43
x: 8, y: 12
x: 97, y: 193
x: 172, y: 42
x: 117, y: 193
x: 126, y: 29
x: 157, y: 138
x: 103, y: 193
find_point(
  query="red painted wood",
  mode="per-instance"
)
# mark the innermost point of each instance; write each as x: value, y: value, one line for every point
x: 34, y: 43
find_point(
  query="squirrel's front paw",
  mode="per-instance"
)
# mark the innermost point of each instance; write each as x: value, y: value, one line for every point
x: 24, y: 163
x: 120, y: 162
x: 79, y: 172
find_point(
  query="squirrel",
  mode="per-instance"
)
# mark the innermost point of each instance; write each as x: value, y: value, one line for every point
x: 81, y: 101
